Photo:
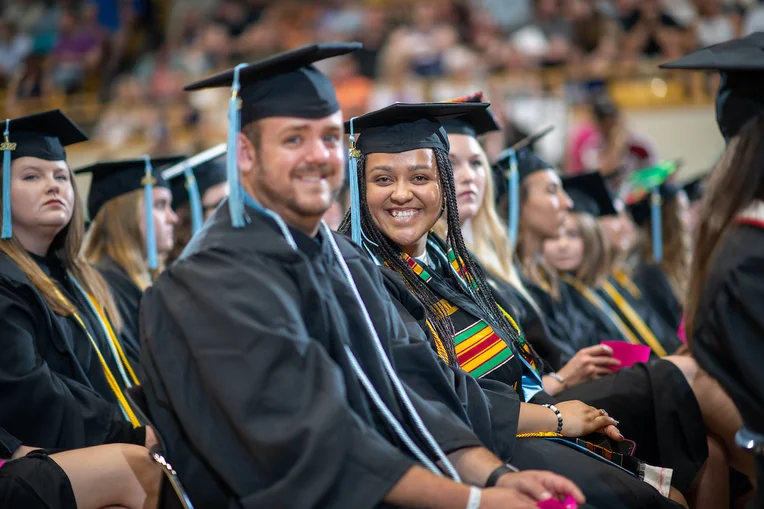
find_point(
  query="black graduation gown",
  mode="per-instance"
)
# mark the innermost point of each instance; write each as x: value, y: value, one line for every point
x: 653, y: 402
x: 605, y: 486
x: 728, y: 336
x: 655, y: 287
x: 127, y: 297
x: 53, y: 391
x: 551, y: 349
x: 248, y: 379
x: 570, y: 330
x: 8, y: 444
x: 663, y: 332
x: 34, y: 481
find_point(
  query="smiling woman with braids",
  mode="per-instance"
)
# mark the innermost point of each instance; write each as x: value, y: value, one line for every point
x: 405, y: 184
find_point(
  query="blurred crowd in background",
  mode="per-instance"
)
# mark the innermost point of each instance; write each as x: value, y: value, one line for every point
x: 118, y: 66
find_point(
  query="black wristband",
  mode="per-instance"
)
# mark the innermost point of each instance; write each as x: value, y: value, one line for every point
x: 494, y: 477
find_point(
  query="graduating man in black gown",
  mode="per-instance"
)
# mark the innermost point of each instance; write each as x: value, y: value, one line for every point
x: 266, y: 346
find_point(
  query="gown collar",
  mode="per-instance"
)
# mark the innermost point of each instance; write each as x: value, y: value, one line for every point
x: 753, y: 214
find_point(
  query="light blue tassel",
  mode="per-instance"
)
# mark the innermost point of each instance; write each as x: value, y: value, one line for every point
x: 235, y: 202
x: 657, y: 226
x: 513, y: 180
x: 355, y: 194
x: 7, y: 227
x: 195, y: 200
x: 148, y: 200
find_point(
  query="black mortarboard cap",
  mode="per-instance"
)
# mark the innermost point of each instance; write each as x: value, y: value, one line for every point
x: 208, y: 169
x: 394, y: 129
x: 522, y: 157
x: 640, y: 209
x: 41, y: 135
x: 115, y: 178
x: 527, y: 160
x: 402, y: 127
x: 590, y: 194
x: 199, y: 173
x: 475, y: 123
x: 283, y: 85
x: 741, y: 65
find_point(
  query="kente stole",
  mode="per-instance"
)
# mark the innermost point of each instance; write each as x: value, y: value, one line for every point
x: 479, y: 349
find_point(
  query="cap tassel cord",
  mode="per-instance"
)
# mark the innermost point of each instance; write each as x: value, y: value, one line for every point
x: 656, y: 222
x: 7, y: 147
x: 514, y: 197
x: 355, y: 198
x: 235, y: 204
x: 148, y: 200
x: 195, y: 200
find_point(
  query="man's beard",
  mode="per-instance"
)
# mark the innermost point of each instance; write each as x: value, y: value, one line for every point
x: 290, y: 201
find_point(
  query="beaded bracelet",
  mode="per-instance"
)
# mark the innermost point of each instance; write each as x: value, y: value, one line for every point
x: 559, y: 416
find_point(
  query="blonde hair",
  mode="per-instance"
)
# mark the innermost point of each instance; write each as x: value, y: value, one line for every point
x: 116, y: 233
x: 595, y: 264
x: 66, y: 248
x: 677, y: 248
x: 489, y: 242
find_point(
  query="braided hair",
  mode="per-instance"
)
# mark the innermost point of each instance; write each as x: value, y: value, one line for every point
x: 391, y: 255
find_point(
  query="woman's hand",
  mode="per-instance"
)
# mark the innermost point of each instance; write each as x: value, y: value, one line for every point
x: 580, y: 419
x: 589, y: 364
x: 540, y: 485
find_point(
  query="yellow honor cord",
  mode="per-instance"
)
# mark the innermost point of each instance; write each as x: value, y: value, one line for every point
x: 589, y: 295
x: 627, y: 283
x: 634, y: 319
x: 114, y: 340
x: 110, y: 377
x: 509, y: 317
x: 439, y: 347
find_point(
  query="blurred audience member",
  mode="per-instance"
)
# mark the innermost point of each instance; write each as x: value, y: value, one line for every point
x: 125, y: 118
x: 161, y: 74
x: 207, y: 52
x: 594, y: 40
x: 233, y: 15
x: 754, y: 18
x: 652, y: 32
x: 29, y: 81
x: 78, y: 50
x: 24, y: 14
x: 15, y: 46
x: 419, y: 46
x: 353, y: 89
x: 546, y: 39
x: 715, y: 23
x: 608, y: 145
x: 373, y: 34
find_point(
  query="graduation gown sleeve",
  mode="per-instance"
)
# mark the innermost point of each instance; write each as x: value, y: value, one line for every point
x: 38, y: 406
x: 243, y: 375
